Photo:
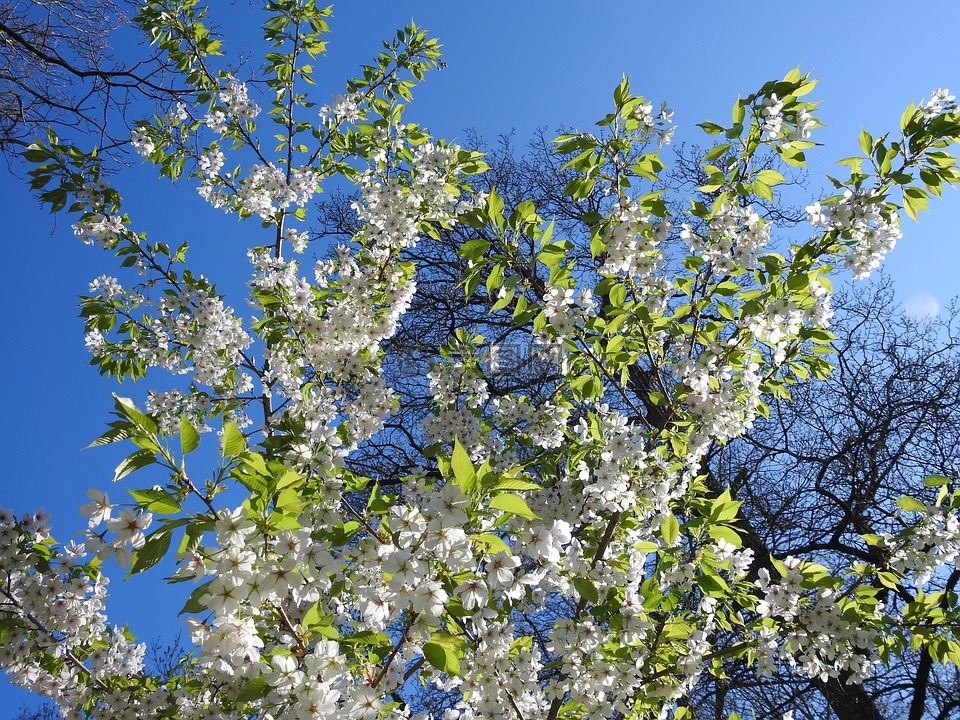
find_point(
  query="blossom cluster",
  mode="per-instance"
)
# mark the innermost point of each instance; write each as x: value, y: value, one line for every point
x: 202, y: 322
x: 235, y: 103
x: 343, y: 108
x: 735, y: 237
x: 724, y: 400
x: 799, y: 125
x: 565, y: 312
x: 779, y: 324
x: 457, y: 390
x: 939, y: 103
x: 932, y: 542
x: 859, y: 217
x: 142, y: 142
x: 631, y: 239
x: 655, y: 124
x: 820, y: 642
x: 267, y: 189
x: 57, y: 607
x: 100, y: 228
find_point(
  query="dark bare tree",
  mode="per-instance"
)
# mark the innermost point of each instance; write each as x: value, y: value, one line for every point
x: 58, y: 70
x: 828, y: 468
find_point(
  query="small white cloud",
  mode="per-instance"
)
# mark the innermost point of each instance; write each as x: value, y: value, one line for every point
x: 922, y: 306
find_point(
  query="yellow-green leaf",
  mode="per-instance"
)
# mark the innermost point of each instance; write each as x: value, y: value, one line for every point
x: 513, y: 504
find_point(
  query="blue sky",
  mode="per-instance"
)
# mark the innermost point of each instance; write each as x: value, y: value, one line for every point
x: 510, y: 66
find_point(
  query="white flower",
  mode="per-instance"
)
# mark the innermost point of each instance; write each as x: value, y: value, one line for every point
x: 129, y: 527
x: 473, y: 594
x: 142, y: 142
x: 94, y: 341
x: 286, y: 672
x: 317, y: 701
x: 772, y: 116
x: 940, y: 102
x: 98, y: 510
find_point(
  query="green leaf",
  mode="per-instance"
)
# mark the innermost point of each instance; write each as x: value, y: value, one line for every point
x: 711, y: 128
x: 35, y: 154
x: 936, y: 480
x: 649, y: 166
x: 233, y: 442
x: 139, y: 459
x: 713, y: 585
x: 494, y: 278
x: 442, y: 651
x: 127, y: 408
x: 495, y: 207
x: 727, y: 288
x: 254, y: 480
x: 526, y: 212
x: 587, y: 386
x: 315, y: 620
x: 473, y: 249
x: 189, y: 437
x: 472, y: 280
x: 378, y: 504
x: 289, y: 478
x: 342, y: 534
x: 908, y: 114
x: 762, y: 190
x: 503, y: 302
x: 145, y: 443
x: 770, y: 177
x: 888, y: 579
x: 513, y: 504
x: 156, y: 501
x: 193, y: 604
x: 914, y: 201
x: 622, y: 92
x: 579, y: 188
x: 792, y: 156
x: 670, y: 529
x: 911, y: 504
x: 724, y: 508
x: 739, y: 111
x: 588, y: 591
x: 512, y: 483
x: 717, y: 151
x: 617, y: 295
x: 553, y: 254
x: 485, y: 475
x: 724, y: 532
x: 493, y: 543
x: 118, y: 431
x: 465, y: 475
x: 805, y: 88
x: 152, y: 552
x: 192, y: 535
x: 253, y: 690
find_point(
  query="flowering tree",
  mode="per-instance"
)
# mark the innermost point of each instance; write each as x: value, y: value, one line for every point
x: 561, y: 554
x: 822, y: 470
